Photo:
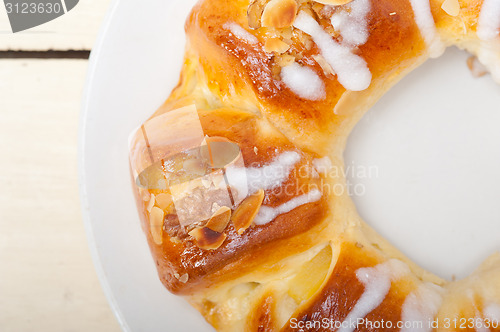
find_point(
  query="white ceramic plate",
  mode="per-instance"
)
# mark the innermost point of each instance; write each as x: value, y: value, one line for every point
x: 433, y: 140
x: 134, y: 66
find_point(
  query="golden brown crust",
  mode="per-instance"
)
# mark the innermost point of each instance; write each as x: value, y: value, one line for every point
x: 241, y: 252
x: 262, y: 318
x: 258, y: 279
x: 343, y: 290
x: 394, y: 43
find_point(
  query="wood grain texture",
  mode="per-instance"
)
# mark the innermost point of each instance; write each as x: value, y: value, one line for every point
x: 76, y: 30
x: 47, y: 279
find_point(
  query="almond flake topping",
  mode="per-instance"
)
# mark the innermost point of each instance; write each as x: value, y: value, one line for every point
x: 475, y: 67
x: 327, y: 68
x: 164, y: 201
x: 451, y: 7
x: 276, y: 45
x: 254, y: 13
x: 245, y: 214
x: 279, y: 14
x: 182, y: 278
x: 146, y: 196
x: 285, y: 60
x: 156, y: 224
x: 219, y: 221
x: 151, y: 202
x: 207, y: 239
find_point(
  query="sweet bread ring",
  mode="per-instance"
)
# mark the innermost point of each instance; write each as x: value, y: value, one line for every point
x: 287, y: 80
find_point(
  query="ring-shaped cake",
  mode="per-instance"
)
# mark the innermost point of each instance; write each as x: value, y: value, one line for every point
x: 239, y: 176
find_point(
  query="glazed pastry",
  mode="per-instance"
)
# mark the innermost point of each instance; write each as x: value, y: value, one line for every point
x: 239, y: 175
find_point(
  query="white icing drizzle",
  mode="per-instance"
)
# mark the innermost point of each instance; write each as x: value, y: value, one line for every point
x: 421, y: 305
x: 492, y: 312
x: 488, y: 31
x: 267, y: 214
x: 303, y: 81
x: 323, y: 165
x: 377, y: 281
x: 241, y: 33
x: 489, y: 20
x: 352, y: 70
x: 249, y: 180
x: 479, y: 317
x: 351, y: 23
x: 425, y: 22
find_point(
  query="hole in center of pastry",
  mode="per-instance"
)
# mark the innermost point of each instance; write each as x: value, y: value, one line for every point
x: 432, y: 148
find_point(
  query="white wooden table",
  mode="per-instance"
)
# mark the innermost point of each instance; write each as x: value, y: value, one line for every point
x: 47, y: 279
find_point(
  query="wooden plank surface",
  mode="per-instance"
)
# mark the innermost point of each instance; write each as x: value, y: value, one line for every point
x: 76, y: 30
x: 47, y: 279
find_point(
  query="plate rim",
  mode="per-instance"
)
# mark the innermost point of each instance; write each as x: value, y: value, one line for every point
x: 81, y: 160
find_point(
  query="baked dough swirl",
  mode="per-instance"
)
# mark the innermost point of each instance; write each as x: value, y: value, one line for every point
x: 287, y: 80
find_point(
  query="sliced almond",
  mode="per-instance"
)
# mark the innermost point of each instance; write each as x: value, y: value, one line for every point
x: 218, y: 222
x: 285, y: 60
x: 476, y: 68
x: 301, y: 37
x: 164, y: 201
x: 245, y: 214
x: 151, y: 203
x: 333, y: 2
x: 184, y: 278
x: 286, y: 34
x: 317, y: 8
x: 276, y: 45
x: 145, y: 195
x: 327, y: 68
x: 279, y: 14
x: 156, y: 224
x: 451, y: 7
x: 207, y: 239
x: 254, y: 13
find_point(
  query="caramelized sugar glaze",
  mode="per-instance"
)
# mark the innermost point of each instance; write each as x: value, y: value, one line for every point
x: 316, y: 259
